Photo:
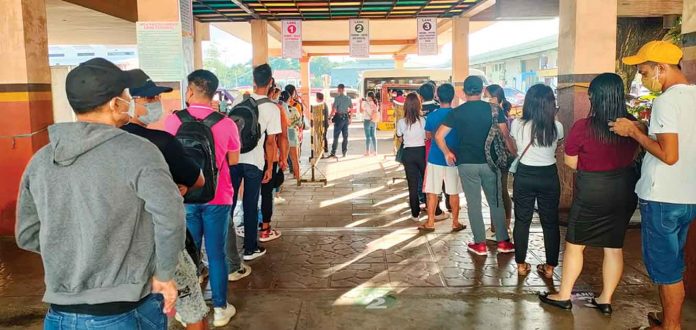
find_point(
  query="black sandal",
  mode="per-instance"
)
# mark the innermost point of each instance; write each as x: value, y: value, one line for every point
x: 423, y: 228
x: 459, y: 228
x: 604, y: 308
x: 654, y: 319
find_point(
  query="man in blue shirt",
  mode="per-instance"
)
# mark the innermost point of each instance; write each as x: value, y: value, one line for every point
x: 437, y: 170
x: 341, y: 110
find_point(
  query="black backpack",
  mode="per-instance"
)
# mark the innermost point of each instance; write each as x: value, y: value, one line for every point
x: 197, y: 138
x: 246, y: 116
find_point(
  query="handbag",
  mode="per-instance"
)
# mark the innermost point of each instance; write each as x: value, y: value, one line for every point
x: 513, y: 166
x: 400, y: 154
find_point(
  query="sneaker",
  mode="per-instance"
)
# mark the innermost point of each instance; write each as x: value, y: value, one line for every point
x: 478, y: 248
x: 239, y: 230
x: 223, y: 315
x: 490, y: 235
x: 442, y: 216
x: 415, y: 219
x: 279, y: 200
x: 269, y: 235
x: 506, y: 247
x: 256, y: 254
x: 240, y: 274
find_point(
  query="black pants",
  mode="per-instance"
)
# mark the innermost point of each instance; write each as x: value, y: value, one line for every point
x: 340, y: 128
x: 326, y: 142
x: 267, y: 196
x: 414, y: 164
x: 540, y: 184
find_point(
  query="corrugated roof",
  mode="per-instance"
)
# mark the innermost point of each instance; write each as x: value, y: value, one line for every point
x: 245, y: 10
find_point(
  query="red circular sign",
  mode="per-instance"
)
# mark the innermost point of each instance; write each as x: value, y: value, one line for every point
x: 292, y: 29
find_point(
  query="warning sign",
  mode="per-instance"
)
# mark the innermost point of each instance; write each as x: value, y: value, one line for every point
x: 292, y: 39
x: 427, y: 36
x: 359, y: 38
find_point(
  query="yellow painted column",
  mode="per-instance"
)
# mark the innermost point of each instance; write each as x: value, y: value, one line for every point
x: 259, y: 42
x: 689, y: 68
x: 25, y: 96
x: 586, y: 48
x: 460, y: 55
x: 399, y: 61
x: 201, y: 33
x: 305, y: 83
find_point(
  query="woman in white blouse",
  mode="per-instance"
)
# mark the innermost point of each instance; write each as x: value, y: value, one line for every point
x: 370, y: 110
x: 411, y: 131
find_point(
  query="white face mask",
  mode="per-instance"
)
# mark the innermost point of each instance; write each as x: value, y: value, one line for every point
x: 154, y: 112
x: 486, y: 99
x: 131, y: 106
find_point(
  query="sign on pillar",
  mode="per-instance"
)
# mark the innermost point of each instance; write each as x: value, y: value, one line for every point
x: 292, y: 39
x: 427, y: 36
x: 359, y: 38
x: 160, y: 50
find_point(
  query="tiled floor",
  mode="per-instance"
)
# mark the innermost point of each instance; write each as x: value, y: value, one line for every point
x: 350, y: 258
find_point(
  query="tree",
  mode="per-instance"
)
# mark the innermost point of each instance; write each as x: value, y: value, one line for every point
x: 631, y: 34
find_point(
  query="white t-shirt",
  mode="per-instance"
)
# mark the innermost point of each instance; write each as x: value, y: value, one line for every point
x: 673, y: 112
x: 269, y: 120
x: 413, y: 135
x: 521, y: 132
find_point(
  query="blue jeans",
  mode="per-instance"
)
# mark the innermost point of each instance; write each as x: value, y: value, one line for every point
x: 340, y: 128
x: 664, y: 228
x: 211, y: 222
x: 370, y: 138
x: 252, y: 177
x: 148, y: 316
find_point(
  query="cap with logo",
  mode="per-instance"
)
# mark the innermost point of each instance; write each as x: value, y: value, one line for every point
x: 97, y: 81
x: 148, y: 88
x: 656, y: 51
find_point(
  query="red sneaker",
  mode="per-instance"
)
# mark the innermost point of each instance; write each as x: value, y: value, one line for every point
x: 506, y: 247
x: 478, y: 248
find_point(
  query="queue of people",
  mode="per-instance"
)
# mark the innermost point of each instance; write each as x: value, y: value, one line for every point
x: 177, y: 189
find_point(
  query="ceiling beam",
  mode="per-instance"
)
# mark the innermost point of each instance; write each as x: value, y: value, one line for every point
x: 345, y: 54
x: 244, y: 7
x: 443, y: 25
x: 123, y: 9
x: 479, y: 8
x: 274, y: 31
x: 394, y: 42
x: 649, y: 8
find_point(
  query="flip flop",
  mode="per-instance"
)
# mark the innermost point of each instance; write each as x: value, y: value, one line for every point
x: 542, y: 270
x: 459, y: 228
x: 423, y: 228
x: 654, y: 319
x: 527, y: 270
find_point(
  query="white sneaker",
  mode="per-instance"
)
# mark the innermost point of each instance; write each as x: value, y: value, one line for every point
x: 239, y: 230
x: 415, y: 219
x: 442, y: 216
x: 223, y: 315
x: 279, y: 200
x: 490, y: 235
x: 260, y: 252
x: 240, y: 274
x: 269, y: 235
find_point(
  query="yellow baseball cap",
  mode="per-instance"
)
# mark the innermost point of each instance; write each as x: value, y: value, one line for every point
x: 656, y: 51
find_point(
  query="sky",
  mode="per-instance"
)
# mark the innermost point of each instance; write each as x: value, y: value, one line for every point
x: 497, y: 36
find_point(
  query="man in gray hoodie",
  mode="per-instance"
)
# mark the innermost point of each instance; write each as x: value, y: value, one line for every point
x: 101, y: 208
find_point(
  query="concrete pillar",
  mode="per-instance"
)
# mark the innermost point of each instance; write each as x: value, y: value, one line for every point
x: 25, y: 97
x: 460, y: 55
x: 399, y: 61
x: 586, y: 48
x: 201, y: 33
x: 689, y: 67
x: 167, y: 11
x: 305, y: 84
x: 259, y: 42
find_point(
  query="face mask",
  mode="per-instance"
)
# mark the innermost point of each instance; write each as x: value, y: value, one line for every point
x: 486, y: 99
x: 154, y: 112
x: 124, y: 117
x: 653, y: 84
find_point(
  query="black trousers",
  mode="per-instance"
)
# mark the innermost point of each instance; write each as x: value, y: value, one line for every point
x: 267, y: 196
x: 414, y: 164
x: 326, y: 142
x: 538, y: 184
x: 340, y: 128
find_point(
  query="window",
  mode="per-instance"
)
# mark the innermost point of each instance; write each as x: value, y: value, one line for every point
x: 120, y: 53
x: 85, y: 54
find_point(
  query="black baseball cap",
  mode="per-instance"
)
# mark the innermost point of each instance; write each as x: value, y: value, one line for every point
x: 97, y: 81
x: 473, y: 85
x: 149, y: 88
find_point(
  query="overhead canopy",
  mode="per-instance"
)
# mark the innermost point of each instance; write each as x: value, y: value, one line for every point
x: 244, y: 10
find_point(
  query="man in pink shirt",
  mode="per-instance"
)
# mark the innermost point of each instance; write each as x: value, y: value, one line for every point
x: 211, y: 220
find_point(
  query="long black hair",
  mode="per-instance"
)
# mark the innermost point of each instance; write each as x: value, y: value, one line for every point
x: 540, y: 110
x: 371, y: 95
x: 499, y: 93
x: 412, y: 109
x: 607, y: 103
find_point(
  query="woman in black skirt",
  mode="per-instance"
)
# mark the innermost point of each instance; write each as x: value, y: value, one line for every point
x: 604, y: 198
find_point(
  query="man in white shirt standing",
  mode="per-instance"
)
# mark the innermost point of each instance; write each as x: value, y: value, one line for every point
x: 252, y: 164
x: 667, y: 187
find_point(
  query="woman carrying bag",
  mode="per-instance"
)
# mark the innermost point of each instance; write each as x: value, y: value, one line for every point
x: 411, y: 131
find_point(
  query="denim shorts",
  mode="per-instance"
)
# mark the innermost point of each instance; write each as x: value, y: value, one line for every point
x: 664, y: 228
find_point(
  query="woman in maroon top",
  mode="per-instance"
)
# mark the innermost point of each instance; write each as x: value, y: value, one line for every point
x: 604, y: 198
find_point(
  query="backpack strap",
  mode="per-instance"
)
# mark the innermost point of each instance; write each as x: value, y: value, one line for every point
x: 185, y: 116
x: 212, y: 119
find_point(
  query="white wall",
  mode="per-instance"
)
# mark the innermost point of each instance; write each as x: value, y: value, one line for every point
x: 62, y: 112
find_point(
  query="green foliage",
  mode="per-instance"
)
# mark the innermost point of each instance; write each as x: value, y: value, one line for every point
x: 229, y: 76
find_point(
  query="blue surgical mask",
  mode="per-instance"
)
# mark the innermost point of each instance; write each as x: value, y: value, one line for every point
x: 154, y: 112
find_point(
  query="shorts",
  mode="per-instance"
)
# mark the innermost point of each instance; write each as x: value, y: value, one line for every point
x: 293, y: 139
x: 435, y: 175
x: 190, y: 305
x: 664, y: 228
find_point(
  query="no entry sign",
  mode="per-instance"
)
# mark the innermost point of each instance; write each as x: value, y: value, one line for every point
x: 427, y: 36
x: 359, y: 38
x: 292, y: 39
